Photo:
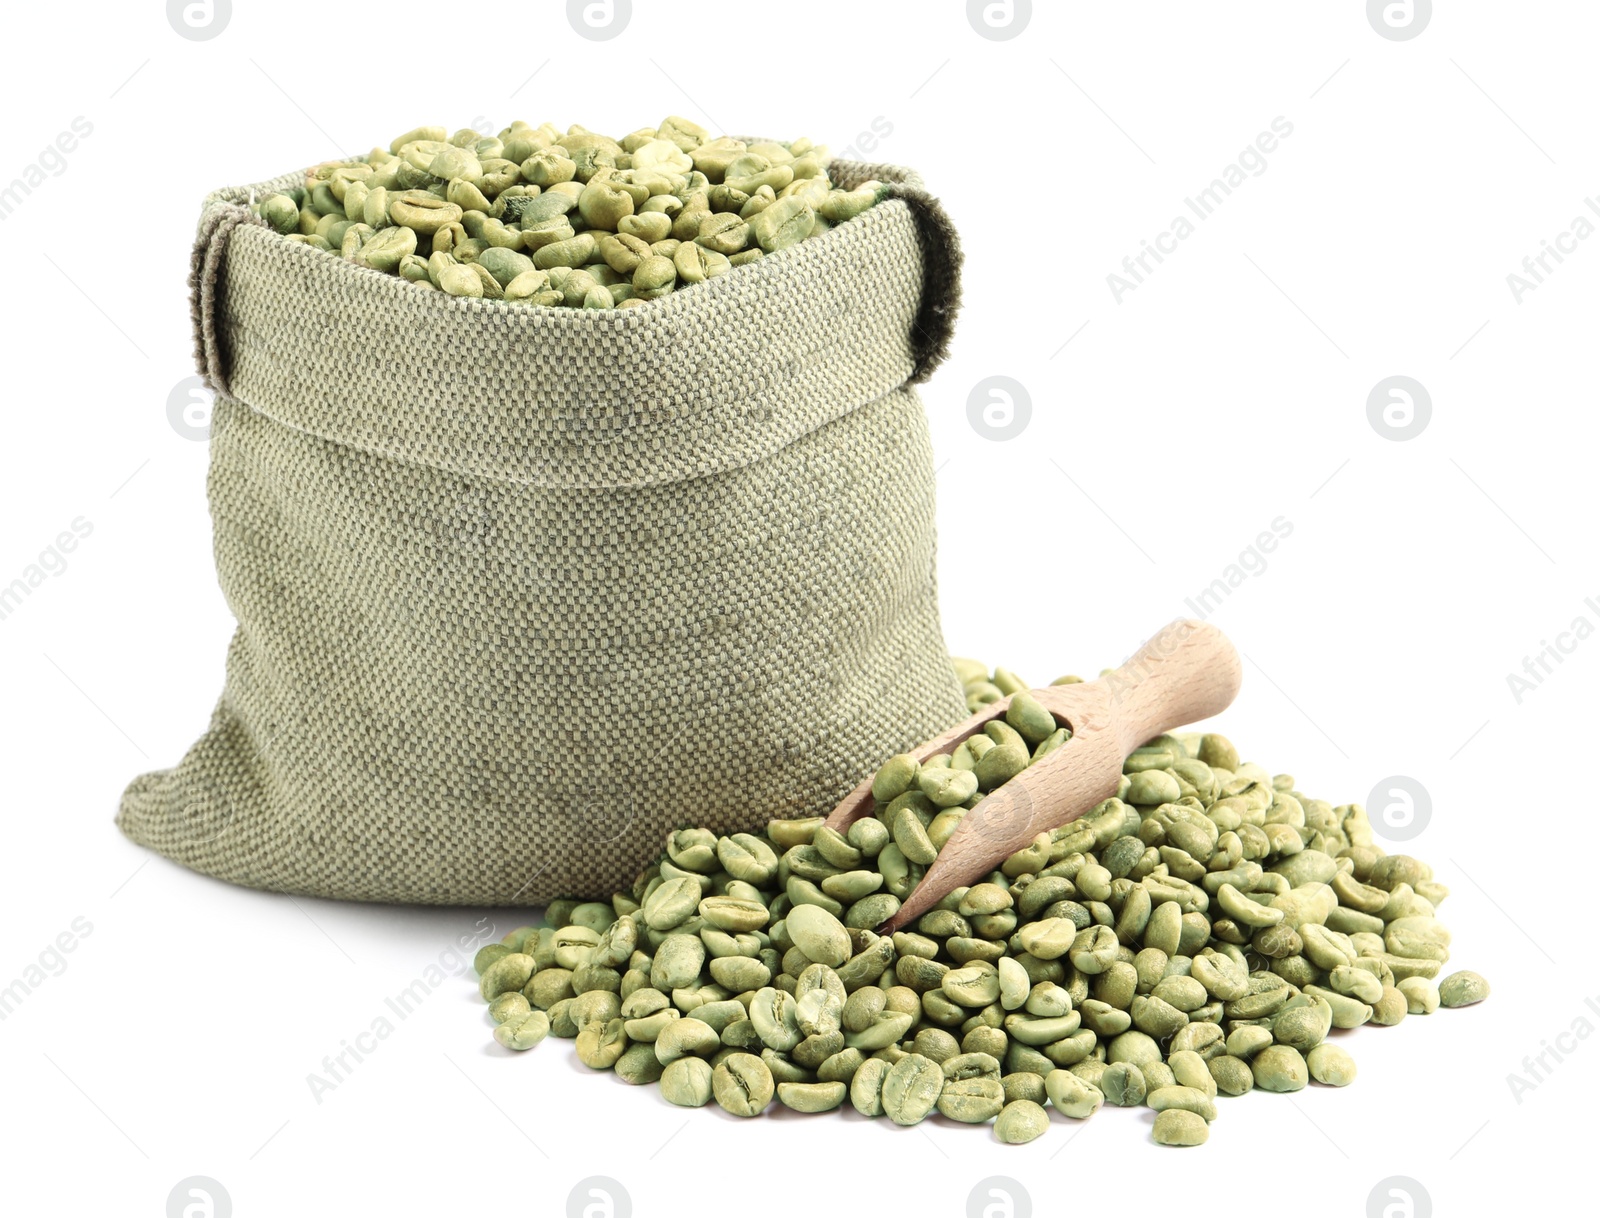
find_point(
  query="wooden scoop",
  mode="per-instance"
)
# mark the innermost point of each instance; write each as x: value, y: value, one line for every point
x: 1188, y: 671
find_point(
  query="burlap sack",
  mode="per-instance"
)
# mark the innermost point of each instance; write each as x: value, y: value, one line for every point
x: 520, y: 590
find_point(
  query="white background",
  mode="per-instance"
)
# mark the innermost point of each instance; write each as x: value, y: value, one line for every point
x: 1228, y: 390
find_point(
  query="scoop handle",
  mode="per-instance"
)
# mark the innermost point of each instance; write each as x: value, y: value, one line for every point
x: 1185, y: 672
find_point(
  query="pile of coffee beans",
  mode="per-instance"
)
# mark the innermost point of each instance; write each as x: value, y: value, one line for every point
x: 1208, y: 931
x: 539, y: 216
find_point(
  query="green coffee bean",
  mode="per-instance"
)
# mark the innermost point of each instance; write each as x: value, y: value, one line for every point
x: 1023, y: 1086
x: 1047, y: 1000
x: 574, y: 946
x: 1232, y: 1075
x: 686, y: 1082
x: 1303, y: 1027
x: 684, y: 1037
x: 1242, y: 909
x: 1179, y: 1127
x: 1331, y: 1065
x: 819, y: 1000
x: 911, y: 1089
x: 1462, y: 989
x: 594, y: 1006
x: 1123, y: 1085
x: 814, y: 1051
x: 1021, y: 1121
x: 1093, y: 950
x: 867, y: 965
x: 423, y: 212
x: 1190, y: 1069
x: 1165, y: 928
x: 912, y: 837
x: 1091, y: 1070
x: 969, y: 1065
x: 1071, y: 1095
x: 862, y: 1007
x: 523, y: 1032
x: 812, y: 1097
x: 739, y: 973
x: 886, y: 1028
x: 639, y: 1065
x: 1001, y: 763
x: 601, y: 1045
x: 1279, y: 1068
x: 938, y: 1009
x: 772, y: 1011
x: 785, y: 1070
x: 1014, y: 983
x: 1042, y: 1031
x: 671, y: 904
x: 644, y: 1003
x: 1008, y: 682
x: 742, y: 1084
x: 818, y: 934
x: 508, y: 972
x: 836, y: 849
x: 720, y: 1015
x: 1183, y: 993
x: 1049, y: 938
x: 541, y: 943
x: 1029, y: 719
x: 561, y: 1021
x: 840, y: 1067
x: 866, y: 1088
x: 747, y: 857
x: 947, y: 788
x: 1135, y: 1047
x: 972, y: 1101
x: 788, y: 834
x: 1422, y: 996
x: 508, y: 1006
x: 1186, y: 1098
x: 1156, y: 1074
x: 894, y: 778
x: 852, y: 886
x: 1153, y: 787
x: 739, y: 915
x: 678, y: 961
x: 1392, y: 1006
x: 696, y: 264
x: 976, y: 985
x: 647, y: 1028
x: 488, y: 954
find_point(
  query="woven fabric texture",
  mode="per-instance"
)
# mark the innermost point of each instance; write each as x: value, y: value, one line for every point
x: 519, y: 590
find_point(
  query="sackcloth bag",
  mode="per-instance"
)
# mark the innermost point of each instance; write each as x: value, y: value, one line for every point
x: 519, y: 590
